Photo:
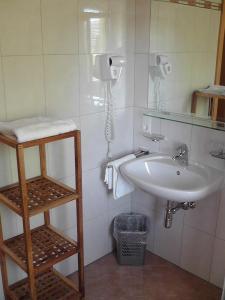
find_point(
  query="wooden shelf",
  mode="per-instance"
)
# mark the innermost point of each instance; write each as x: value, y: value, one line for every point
x: 44, y: 193
x: 12, y: 142
x: 37, y: 250
x: 50, y: 286
x: 49, y: 247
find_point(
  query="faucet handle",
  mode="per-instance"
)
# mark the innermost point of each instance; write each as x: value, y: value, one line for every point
x: 182, y: 149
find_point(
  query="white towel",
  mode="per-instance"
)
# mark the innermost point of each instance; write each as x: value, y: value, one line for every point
x: 214, y: 89
x: 115, y: 180
x: 36, y: 128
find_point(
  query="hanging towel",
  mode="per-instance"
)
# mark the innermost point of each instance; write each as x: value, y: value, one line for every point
x: 36, y: 128
x: 115, y: 180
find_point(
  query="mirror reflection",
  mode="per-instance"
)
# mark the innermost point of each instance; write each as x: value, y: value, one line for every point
x: 183, y: 58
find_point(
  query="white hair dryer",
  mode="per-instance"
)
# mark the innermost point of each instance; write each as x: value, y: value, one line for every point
x: 108, y: 67
x: 160, y: 65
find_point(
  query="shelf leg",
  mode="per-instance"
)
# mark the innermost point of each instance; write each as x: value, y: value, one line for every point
x: 78, y: 172
x: 43, y: 166
x: 4, y: 272
x: 26, y: 220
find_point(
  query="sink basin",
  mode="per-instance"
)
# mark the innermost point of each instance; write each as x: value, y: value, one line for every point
x: 161, y: 176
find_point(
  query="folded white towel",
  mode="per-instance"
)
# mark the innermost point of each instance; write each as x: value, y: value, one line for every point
x: 36, y: 128
x: 214, y: 89
x: 115, y: 180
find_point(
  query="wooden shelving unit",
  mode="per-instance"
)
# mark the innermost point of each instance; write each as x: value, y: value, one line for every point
x: 36, y: 251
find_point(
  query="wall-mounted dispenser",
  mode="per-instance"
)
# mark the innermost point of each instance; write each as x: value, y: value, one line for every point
x: 108, y: 68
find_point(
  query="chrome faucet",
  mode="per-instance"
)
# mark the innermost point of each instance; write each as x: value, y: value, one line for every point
x: 182, y: 154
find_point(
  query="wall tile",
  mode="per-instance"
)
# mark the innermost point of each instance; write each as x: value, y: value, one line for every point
x: 175, y: 134
x: 62, y: 85
x: 116, y: 204
x: 203, y: 139
x: 197, y: 250
x: 23, y: 86
x: 94, y: 146
x: 166, y: 27
x: 218, y: 263
x: 64, y: 217
x: 96, y: 239
x: 168, y: 241
x: 92, y: 90
x: 94, y: 194
x: 2, y: 96
x: 32, y: 163
x: 93, y: 22
x: 142, y: 123
x: 131, y: 12
x: 60, y: 158
x: 5, y: 174
x: 220, y: 230
x: 142, y: 26
x: 68, y: 266
x: 122, y: 144
x: 20, y: 27
x: 142, y: 199
x: 117, y: 26
x: 9, y: 222
x: 204, y: 216
x: 60, y: 26
x: 121, y: 27
x: 141, y: 80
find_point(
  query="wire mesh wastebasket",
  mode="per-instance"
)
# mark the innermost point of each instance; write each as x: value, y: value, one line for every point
x: 130, y: 232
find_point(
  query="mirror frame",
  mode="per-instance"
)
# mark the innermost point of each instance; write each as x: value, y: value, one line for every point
x: 219, y: 58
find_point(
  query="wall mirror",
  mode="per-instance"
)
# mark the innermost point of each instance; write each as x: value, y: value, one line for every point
x: 187, y: 58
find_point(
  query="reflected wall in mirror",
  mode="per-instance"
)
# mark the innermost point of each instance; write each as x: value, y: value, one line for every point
x: 183, y: 54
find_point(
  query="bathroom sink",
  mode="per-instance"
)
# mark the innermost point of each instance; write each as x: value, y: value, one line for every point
x: 164, y: 177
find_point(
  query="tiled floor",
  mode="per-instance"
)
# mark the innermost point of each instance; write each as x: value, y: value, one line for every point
x: 157, y: 280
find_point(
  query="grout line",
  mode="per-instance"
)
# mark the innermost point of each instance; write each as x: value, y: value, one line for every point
x: 182, y: 241
x: 77, y: 17
x: 43, y: 61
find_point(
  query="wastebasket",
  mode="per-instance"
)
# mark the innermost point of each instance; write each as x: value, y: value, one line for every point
x: 130, y: 232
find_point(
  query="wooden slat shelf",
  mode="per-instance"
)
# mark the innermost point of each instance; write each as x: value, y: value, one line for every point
x: 49, y: 247
x: 43, y: 192
x: 50, y: 286
x: 36, y: 251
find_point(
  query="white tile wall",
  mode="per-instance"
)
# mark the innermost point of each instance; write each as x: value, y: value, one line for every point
x: 59, y: 26
x: 47, y: 51
x: 20, y: 27
x: 194, y: 234
x: 197, y: 250
x: 196, y: 242
x: 218, y: 263
x: 24, y: 91
x: 168, y: 242
x: 62, y: 85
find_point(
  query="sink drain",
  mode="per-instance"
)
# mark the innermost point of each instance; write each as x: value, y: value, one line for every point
x: 178, y: 172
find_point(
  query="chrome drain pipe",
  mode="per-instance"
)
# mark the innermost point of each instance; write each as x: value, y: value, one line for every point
x: 173, y: 207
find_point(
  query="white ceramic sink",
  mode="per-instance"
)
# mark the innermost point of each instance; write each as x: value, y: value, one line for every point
x: 161, y: 176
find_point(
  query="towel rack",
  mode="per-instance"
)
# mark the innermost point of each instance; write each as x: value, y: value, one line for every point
x: 137, y: 154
